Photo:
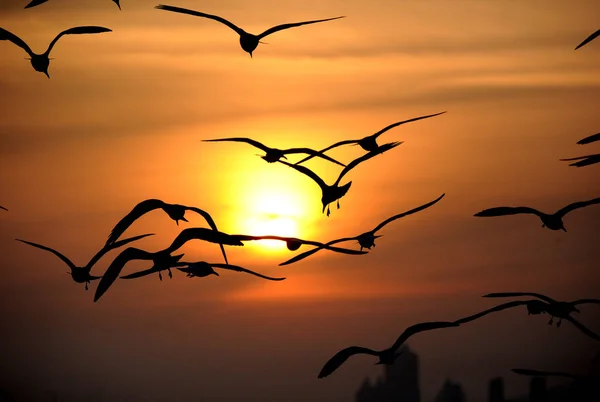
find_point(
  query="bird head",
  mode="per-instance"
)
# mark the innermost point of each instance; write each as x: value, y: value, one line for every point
x: 176, y: 212
x: 293, y: 245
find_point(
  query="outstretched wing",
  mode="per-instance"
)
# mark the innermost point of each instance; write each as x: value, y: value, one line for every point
x: 240, y: 269
x: 34, y: 3
x: 583, y: 328
x: 591, y: 138
x: 337, y: 144
x: 585, y: 301
x: 383, y: 148
x: 313, y: 153
x: 293, y: 25
x: 140, y: 209
x: 231, y: 25
x: 209, y: 235
x: 424, y: 326
x: 501, y: 211
x: 584, y: 160
x: 517, y: 294
x: 139, y: 274
x: 589, y: 39
x: 340, y: 357
x: 1, y: 207
x: 252, y: 142
x: 212, y: 225
x: 403, y: 214
x: 76, y: 31
x: 537, y: 373
x: 310, y: 252
x: 56, y: 253
x: 113, y: 246
x: 493, y: 310
x: 306, y: 171
x: 5, y: 35
x: 115, y: 268
x: 577, y: 205
x: 377, y: 134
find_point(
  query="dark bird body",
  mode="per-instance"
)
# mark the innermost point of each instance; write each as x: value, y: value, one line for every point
x: 248, y: 41
x: 366, y: 239
x: 369, y: 143
x: 332, y: 193
x: 551, y: 221
x: 275, y: 154
x: 386, y: 356
x: 202, y: 269
x: 161, y: 260
x: 82, y: 274
x: 34, y: 3
x: 40, y: 62
x: 175, y: 212
x: 589, y: 39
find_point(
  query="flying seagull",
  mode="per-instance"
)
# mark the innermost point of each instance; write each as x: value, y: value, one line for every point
x: 386, y: 356
x: 161, y: 260
x: 552, y: 222
x: 82, y: 274
x: 201, y: 269
x: 294, y: 243
x: 248, y: 41
x: 589, y: 39
x: 334, y: 192
x: 274, y: 154
x: 175, y: 212
x: 34, y: 3
x: 583, y: 160
x: 366, y: 239
x: 211, y: 236
x: 40, y: 62
x: 369, y: 143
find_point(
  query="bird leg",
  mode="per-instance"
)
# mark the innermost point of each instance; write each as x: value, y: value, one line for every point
x: 551, y: 320
x: 558, y: 323
x: 328, y: 210
x: 86, y: 285
x: 159, y: 275
x: 338, y: 204
x: 170, y: 274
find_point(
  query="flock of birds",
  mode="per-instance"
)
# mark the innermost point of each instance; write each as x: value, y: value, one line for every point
x: 165, y: 259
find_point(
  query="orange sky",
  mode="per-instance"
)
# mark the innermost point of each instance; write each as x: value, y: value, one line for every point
x: 122, y: 119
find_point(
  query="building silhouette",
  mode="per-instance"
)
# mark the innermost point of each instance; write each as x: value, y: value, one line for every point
x: 399, y: 382
x: 451, y: 392
x: 585, y: 390
x: 496, y: 390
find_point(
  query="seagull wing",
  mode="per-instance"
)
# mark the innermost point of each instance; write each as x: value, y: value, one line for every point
x: 34, y: 3
x: 308, y: 253
x: 115, y: 268
x: 308, y: 172
x: 293, y: 25
x: 140, y: 209
x: 424, y: 326
x: 212, y: 225
x: 577, y: 205
x: 337, y: 144
x: 252, y: 142
x: 139, y: 274
x: 585, y: 301
x: 493, y: 310
x: 113, y: 246
x: 56, y: 253
x: 591, y: 138
x: 501, y: 211
x: 231, y: 25
x: 76, y: 31
x: 383, y: 148
x: 5, y: 35
x: 209, y: 235
x: 537, y: 373
x: 583, y: 328
x: 340, y: 357
x: 584, y: 160
x: 240, y: 269
x: 589, y: 39
x: 377, y: 134
x: 312, y: 152
x: 517, y: 294
x: 403, y: 214
x: 1, y: 207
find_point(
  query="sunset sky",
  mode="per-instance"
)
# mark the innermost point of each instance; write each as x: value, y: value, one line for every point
x: 122, y: 120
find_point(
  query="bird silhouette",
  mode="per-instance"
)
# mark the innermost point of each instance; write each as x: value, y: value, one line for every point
x: 293, y: 243
x: 589, y: 39
x: 82, y: 274
x: 583, y: 160
x: 552, y: 222
x: 175, y: 212
x: 40, y: 62
x: 274, y: 154
x: 248, y: 41
x: 366, y: 239
x: 591, y: 138
x: 161, y: 260
x: 1, y: 207
x: 386, y: 356
x: 211, y: 236
x: 534, y: 307
x: 34, y: 3
x: 334, y: 192
x: 202, y: 269
x: 369, y: 143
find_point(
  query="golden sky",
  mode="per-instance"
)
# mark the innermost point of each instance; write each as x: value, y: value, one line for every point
x: 123, y: 117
